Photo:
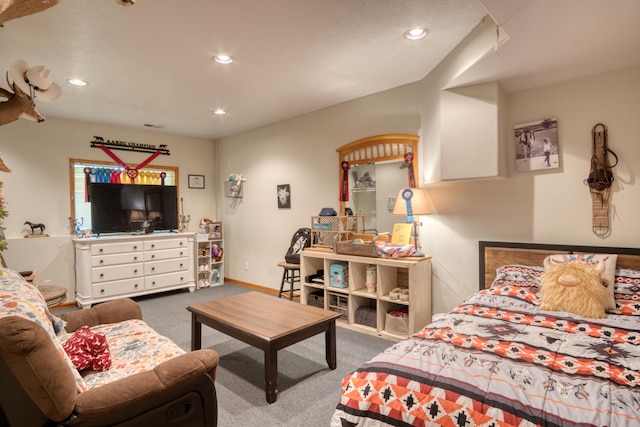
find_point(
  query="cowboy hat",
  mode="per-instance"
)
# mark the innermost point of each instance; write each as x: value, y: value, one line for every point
x: 34, y: 81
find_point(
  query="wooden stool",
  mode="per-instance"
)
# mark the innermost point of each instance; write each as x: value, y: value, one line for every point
x: 290, y: 275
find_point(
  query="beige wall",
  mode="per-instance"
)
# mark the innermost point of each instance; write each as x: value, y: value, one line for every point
x: 37, y: 189
x: 300, y: 152
x: 541, y: 206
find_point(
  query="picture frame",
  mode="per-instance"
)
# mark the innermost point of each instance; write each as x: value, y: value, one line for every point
x: 536, y: 145
x: 283, y: 192
x: 196, y: 181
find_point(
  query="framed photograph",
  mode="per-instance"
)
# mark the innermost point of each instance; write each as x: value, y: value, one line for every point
x: 196, y: 181
x: 536, y: 145
x: 284, y: 196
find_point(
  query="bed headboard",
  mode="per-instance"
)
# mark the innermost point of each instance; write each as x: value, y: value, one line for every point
x: 497, y: 254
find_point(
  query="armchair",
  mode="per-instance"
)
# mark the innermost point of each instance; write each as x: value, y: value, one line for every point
x: 40, y: 386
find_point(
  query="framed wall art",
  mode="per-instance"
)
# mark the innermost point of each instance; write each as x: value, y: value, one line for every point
x: 536, y: 145
x: 196, y: 181
x: 284, y: 196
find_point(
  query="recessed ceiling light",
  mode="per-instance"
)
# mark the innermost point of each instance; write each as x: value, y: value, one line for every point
x: 416, y: 33
x: 77, y: 82
x: 223, y: 59
x: 219, y: 112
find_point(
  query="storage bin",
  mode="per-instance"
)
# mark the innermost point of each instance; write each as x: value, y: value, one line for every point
x: 397, y: 325
x: 339, y: 275
x: 316, y: 299
x: 340, y: 304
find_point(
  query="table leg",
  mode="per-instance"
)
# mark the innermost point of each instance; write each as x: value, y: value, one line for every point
x: 196, y: 333
x: 330, y: 345
x: 271, y: 374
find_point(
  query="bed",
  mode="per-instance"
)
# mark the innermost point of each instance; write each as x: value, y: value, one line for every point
x: 498, y: 360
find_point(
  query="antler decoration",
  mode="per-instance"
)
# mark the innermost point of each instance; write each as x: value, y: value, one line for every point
x: 12, y: 9
x: 28, y: 84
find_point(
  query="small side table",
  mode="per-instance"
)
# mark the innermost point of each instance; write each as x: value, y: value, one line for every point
x: 53, y: 295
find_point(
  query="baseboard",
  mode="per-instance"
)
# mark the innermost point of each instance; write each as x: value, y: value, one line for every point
x: 256, y: 287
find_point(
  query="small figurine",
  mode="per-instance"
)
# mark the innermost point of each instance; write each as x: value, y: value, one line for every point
x: 35, y: 226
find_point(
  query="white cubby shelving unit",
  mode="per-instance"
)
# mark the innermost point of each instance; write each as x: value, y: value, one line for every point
x: 209, y: 266
x: 410, y: 273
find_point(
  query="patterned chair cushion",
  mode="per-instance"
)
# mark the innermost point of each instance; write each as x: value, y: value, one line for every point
x: 135, y: 347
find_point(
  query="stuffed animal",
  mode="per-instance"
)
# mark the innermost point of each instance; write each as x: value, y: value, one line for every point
x: 575, y: 288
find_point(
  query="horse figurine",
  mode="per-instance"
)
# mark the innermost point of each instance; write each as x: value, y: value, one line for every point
x: 12, y: 9
x: 35, y: 226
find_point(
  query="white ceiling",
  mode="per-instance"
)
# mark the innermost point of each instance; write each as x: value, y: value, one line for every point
x: 151, y: 63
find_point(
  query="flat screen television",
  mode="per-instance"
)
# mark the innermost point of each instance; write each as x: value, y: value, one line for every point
x: 122, y: 208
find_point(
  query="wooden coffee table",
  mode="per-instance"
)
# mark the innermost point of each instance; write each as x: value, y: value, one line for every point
x: 265, y: 322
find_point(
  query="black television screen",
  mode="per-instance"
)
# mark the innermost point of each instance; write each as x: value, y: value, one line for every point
x: 118, y: 208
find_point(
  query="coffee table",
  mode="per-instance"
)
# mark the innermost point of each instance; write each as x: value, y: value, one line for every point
x: 265, y: 322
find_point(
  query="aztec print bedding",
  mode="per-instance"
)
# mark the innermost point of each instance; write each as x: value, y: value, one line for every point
x: 496, y: 360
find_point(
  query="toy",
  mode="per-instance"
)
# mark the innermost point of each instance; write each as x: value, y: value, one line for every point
x: 575, y: 288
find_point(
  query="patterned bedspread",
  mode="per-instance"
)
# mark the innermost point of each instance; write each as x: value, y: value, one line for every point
x: 496, y: 360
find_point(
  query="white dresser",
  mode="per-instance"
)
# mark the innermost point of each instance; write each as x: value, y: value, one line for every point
x: 130, y: 265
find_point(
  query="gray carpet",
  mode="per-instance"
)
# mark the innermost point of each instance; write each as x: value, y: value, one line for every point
x: 308, y: 389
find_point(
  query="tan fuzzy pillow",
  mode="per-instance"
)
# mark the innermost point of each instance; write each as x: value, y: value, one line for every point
x: 575, y: 288
x: 608, y: 276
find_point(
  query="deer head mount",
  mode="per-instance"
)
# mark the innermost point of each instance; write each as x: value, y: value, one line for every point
x: 28, y: 84
x: 12, y: 9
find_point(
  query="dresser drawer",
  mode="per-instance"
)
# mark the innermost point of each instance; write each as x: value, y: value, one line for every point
x: 116, y: 272
x: 165, y: 244
x: 166, y: 254
x: 164, y: 280
x: 118, y: 287
x: 116, y: 248
x: 168, y: 266
x: 113, y: 259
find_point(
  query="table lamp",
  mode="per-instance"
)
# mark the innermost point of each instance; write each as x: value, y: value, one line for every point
x: 412, y: 202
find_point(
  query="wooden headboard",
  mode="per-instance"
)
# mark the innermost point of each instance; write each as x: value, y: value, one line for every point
x: 496, y: 254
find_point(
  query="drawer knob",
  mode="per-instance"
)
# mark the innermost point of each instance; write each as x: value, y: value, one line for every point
x: 181, y: 243
x: 153, y: 256
x: 180, y: 253
x: 135, y: 271
x: 101, y: 261
x: 101, y: 275
x: 101, y: 250
x: 153, y: 283
x: 181, y: 264
x: 153, y: 269
x: 135, y: 286
x: 135, y: 247
x: 153, y: 245
x: 102, y: 291
x: 135, y: 258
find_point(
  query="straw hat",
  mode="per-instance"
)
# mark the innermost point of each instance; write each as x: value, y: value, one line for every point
x: 34, y: 81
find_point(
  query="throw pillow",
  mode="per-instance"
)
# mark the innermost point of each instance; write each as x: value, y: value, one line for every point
x: 88, y: 350
x: 592, y: 260
x: 574, y: 288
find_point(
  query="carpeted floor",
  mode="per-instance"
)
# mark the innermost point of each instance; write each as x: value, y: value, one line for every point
x: 308, y: 389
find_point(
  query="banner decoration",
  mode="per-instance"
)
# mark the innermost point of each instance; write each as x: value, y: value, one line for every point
x: 344, y: 185
x: 129, y: 146
x: 408, y: 158
x: 407, y: 195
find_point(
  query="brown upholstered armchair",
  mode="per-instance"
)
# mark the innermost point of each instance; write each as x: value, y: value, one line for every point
x: 37, y: 388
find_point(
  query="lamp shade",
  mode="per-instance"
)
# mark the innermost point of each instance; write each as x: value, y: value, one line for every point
x: 411, y: 201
